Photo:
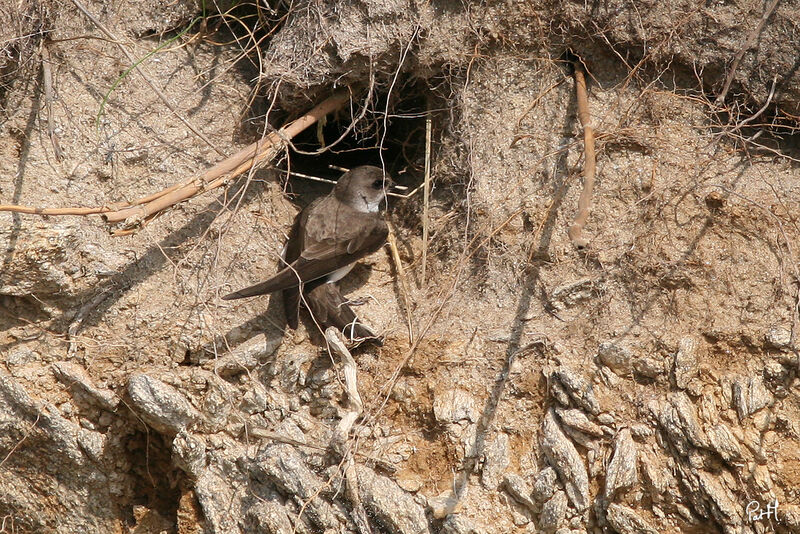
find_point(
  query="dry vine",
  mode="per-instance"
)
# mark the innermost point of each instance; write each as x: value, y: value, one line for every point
x: 135, y: 213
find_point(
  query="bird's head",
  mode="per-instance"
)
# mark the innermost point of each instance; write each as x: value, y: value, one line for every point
x: 363, y: 188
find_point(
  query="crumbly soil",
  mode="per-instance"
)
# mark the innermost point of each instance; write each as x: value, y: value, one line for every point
x: 693, y: 236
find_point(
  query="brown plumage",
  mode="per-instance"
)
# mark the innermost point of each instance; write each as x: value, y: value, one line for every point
x: 330, y: 308
x: 327, y: 238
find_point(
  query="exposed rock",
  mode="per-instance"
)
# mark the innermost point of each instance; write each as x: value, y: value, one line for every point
x: 20, y: 356
x: 454, y: 406
x: 44, y: 259
x: 762, y: 479
x: 545, y: 484
x: 520, y: 515
x: 558, y: 392
x: 641, y: 431
x: 606, y: 419
x: 775, y: 372
x: 458, y: 524
x: 73, y: 375
x: 627, y: 521
x: 507, y: 146
x: 290, y: 370
x: 443, y: 505
x: 609, y: 377
x: 724, y: 442
x: 679, y: 420
x: 554, y: 511
x: 779, y: 338
x: 282, y: 465
x: 723, y: 504
x: 685, y: 362
x: 573, y: 293
x: 750, y: 395
x: 791, y: 517
x: 409, y: 482
x: 160, y: 405
x: 46, y: 454
x: 658, y: 478
x: 149, y: 520
x: 577, y: 420
x: 496, y: 460
x: 621, y: 473
x: 219, y: 491
x: 518, y: 489
x: 565, y: 459
x: 578, y: 388
x: 393, y: 508
x: 255, y: 400
x: 616, y: 357
x: 218, y: 400
x: 650, y: 367
x: 268, y: 517
x: 245, y: 357
x: 189, y: 453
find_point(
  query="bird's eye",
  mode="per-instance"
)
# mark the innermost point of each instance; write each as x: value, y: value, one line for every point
x: 377, y: 184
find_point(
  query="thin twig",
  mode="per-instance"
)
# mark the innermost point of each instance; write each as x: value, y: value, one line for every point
x: 337, y: 345
x: 758, y: 113
x: 333, y: 182
x: 401, y: 274
x: 307, y: 176
x: 360, y: 516
x: 77, y: 322
x: 751, y: 38
x: 764, y: 107
x: 585, y: 200
x: 426, y: 197
x: 47, y: 76
x: 530, y: 107
x: 243, y: 161
x: 146, y: 77
x: 442, y: 298
x: 792, y: 262
x: 13, y: 208
x: 17, y: 445
x: 402, y: 60
x: 147, y: 207
x: 403, y: 195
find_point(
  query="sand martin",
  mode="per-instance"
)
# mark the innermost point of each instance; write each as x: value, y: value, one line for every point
x: 327, y: 238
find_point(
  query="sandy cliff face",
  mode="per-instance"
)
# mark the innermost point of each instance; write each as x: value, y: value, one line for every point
x: 648, y: 384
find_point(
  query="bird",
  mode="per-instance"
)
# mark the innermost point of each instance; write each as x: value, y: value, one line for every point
x: 326, y: 240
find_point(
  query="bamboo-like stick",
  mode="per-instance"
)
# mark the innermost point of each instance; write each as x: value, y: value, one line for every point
x: 241, y: 162
x: 585, y: 200
x: 426, y: 193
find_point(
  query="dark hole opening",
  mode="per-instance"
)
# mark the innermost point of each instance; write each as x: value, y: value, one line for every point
x: 393, y: 140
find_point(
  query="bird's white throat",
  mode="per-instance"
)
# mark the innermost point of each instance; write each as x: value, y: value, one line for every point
x: 367, y: 206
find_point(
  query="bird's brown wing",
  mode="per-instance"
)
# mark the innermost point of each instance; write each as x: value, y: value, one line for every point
x: 355, y: 239
x: 291, y: 295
